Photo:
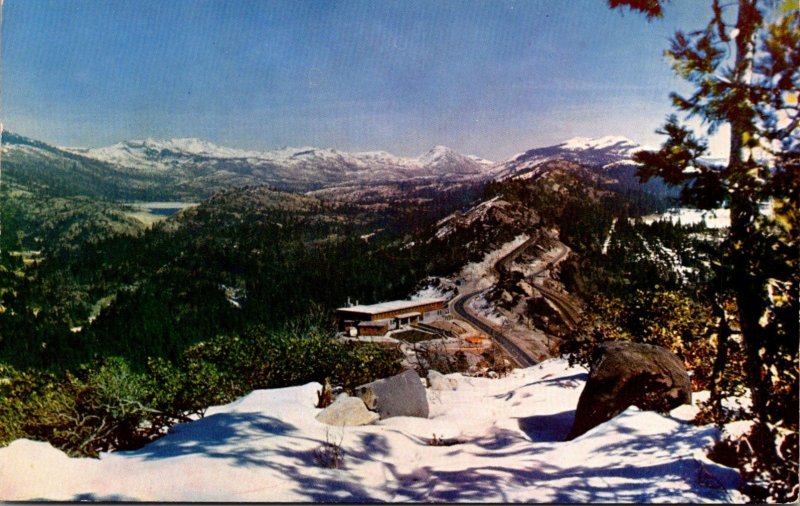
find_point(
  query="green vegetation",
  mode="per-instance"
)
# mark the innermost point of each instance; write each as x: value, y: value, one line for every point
x: 107, y: 405
x: 244, y: 258
x: 743, y: 72
x: 194, y: 310
x: 37, y: 221
x: 111, y: 332
x: 571, y: 199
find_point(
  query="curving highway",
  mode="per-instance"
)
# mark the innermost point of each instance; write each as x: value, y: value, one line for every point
x: 520, y: 356
x: 564, y: 305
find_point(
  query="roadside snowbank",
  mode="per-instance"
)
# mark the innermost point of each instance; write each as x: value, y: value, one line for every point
x: 480, y: 273
x: 508, y: 434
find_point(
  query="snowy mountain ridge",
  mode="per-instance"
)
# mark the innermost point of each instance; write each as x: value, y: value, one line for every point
x: 192, y: 168
x: 166, y: 153
x: 620, y: 143
x: 601, y: 152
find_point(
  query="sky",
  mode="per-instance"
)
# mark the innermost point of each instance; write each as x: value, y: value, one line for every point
x: 489, y: 78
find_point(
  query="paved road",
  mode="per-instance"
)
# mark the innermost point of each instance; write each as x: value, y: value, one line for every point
x: 519, y: 355
x: 565, y: 306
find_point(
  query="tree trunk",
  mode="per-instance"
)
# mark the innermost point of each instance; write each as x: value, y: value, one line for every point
x: 749, y: 285
x: 720, y: 361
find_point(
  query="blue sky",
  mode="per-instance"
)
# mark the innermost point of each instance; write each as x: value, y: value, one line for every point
x: 489, y: 78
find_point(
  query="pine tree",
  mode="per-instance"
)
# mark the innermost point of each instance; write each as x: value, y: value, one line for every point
x: 744, y: 70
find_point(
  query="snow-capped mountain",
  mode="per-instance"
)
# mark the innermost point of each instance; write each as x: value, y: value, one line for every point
x: 302, y: 168
x: 151, y: 153
x: 35, y: 164
x: 610, y: 158
x: 614, y: 143
x: 599, y: 153
x: 443, y: 160
x: 191, y: 168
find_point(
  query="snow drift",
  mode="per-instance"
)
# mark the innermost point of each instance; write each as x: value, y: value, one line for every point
x: 487, y: 440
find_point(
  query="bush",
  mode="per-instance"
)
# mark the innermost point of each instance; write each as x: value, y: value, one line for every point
x: 670, y: 319
x: 361, y: 363
x: 98, y: 409
x: 106, y: 405
x: 25, y: 400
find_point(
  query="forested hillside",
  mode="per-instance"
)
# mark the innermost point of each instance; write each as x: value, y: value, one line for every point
x: 52, y: 171
x: 262, y: 257
x: 238, y: 292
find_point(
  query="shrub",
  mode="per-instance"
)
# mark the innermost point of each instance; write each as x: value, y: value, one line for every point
x: 106, y: 405
x: 670, y: 319
x: 331, y: 454
x: 100, y: 408
x: 25, y: 400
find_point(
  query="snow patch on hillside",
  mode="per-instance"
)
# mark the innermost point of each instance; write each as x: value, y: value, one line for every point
x: 435, y: 288
x: 487, y: 311
x: 508, y: 447
x: 582, y: 143
x: 716, y: 218
x: 451, y: 222
x: 480, y: 274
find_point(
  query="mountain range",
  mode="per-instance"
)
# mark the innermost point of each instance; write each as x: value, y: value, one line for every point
x: 298, y: 169
x: 192, y: 169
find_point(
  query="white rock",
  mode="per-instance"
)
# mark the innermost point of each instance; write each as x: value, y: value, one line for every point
x: 438, y: 381
x: 347, y: 410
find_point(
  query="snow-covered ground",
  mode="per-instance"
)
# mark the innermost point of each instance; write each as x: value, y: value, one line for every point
x: 509, y: 448
x: 479, y: 274
x: 718, y: 218
x: 435, y: 288
x: 476, y: 213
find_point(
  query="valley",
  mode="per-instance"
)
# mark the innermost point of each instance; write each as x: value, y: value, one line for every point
x: 152, y: 212
x: 420, y: 251
x: 234, y: 216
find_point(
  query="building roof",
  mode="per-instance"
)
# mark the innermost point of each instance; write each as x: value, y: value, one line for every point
x: 409, y: 315
x: 395, y: 305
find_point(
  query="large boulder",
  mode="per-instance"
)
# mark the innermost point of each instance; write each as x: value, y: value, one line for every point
x: 624, y: 374
x: 346, y: 410
x: 400, y: 395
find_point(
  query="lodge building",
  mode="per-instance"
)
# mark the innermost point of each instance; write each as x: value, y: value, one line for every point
x: 376, y: 319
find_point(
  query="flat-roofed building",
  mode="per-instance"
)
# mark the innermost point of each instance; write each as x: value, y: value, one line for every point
x: 400, y: 312
x: 373, y: 328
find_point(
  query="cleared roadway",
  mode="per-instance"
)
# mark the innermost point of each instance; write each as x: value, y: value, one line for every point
x: 522, y: 357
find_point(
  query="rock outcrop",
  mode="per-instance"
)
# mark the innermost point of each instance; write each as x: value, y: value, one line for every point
x: 347, y: 411
x: 624, y: 374
x: 400, y: 395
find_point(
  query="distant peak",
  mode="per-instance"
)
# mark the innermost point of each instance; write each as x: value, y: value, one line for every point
x: 436, y: 153
x: 439, y: 150
x: 186, y: 145
x: 597, y: 143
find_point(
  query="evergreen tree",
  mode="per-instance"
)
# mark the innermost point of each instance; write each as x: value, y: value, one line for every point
x: 743, y: 66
